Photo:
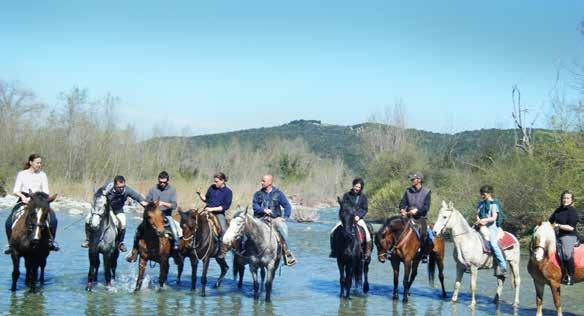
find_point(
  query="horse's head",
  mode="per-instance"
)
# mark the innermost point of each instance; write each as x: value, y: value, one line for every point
x: 38, y: 211
x: 444, y: 220
x: 543, y: 240
x: 98, y: 211
x: 386, y: 235
x: 236, y: 227
x: 347, y: 217
x: 154, y: 217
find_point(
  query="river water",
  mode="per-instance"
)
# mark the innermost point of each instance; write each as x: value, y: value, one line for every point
x: 308, y: 288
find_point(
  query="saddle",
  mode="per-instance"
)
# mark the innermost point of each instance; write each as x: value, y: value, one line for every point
x: 215, y: 226
x: 578, y: 257
x: 506, y: 241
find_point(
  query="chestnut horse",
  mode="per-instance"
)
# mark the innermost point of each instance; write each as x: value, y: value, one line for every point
x: 30, y: 239
x: 397, y: 240
x: 154, y: 245
x: 544, y: 268
x: 200, y: 243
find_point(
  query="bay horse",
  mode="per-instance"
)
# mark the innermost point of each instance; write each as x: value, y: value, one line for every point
x: 397, y: 240
x: 102, y: 240
x: 350, y: 256
x: 469, y: 253
x: 262, y: 250
x: 544, y: 265
x: 199, y: 242
x: 30, y: 239
x: 155, y: 245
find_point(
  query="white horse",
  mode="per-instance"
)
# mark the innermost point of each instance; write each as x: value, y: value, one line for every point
x: 468, y: 252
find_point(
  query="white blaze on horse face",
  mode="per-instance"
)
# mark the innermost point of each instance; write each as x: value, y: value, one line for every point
x: 234, y: 229
x: 37, y: 231
x: 442, y: 219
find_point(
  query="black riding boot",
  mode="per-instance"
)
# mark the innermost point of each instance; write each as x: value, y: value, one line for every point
x: 53, y: 246
x: 568, y: 279
x: 289, y: 259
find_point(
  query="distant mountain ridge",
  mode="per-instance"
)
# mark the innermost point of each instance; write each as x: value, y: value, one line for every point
x: 331, y: 141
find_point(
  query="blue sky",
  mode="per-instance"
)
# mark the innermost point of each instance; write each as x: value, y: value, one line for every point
x: 226, y: 65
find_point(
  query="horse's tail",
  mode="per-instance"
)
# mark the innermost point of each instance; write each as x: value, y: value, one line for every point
x: 432, y: 268
x: 235, y: 267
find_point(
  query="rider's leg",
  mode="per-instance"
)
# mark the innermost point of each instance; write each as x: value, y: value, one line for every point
x: 8, y: 226
x: 567, y: 244
x: 363, y: 225
x: 223, y: 223
x: 85, y: 243
x: 122, y: 218
x: 282, y: 230
x: 493, y: 242
x: 173, y: 228
x: 52, y: 224
x: 333, y: 254
x: 423, y: 230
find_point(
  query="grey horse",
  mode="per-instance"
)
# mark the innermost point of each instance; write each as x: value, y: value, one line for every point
x: 102, y: 239
x: 261, y: 251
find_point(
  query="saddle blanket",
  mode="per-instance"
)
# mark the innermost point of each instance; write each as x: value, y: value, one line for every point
x: 505, y: 242
x: 578, y: 257
x: 17, y: 215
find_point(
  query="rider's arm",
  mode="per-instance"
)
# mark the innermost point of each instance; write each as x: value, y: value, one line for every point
x: 18, y: 185
x: 258, y: 210
x: 284, y: 202
x: 363, y: 207
x: 423, y: 211
x: 172, y: 199
x: 135, y: 195
x: 44, y: 183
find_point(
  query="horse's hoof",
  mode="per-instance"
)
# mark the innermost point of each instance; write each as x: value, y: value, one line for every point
x: 405, y: 300
x: 453, y: 302
x: 366, y: 288
x: 203, y: 294
x: 395, y: 297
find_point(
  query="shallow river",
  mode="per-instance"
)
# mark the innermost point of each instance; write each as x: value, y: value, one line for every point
x: 308, y: 288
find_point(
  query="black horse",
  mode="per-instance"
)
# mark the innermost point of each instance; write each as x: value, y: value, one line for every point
x: 30, y: 239
x: 350, y: 255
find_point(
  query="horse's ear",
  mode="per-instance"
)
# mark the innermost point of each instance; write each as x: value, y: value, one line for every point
x: 339, y: 201
x: 450, y: 205
x: 52, y: 198
x: 444, y: 204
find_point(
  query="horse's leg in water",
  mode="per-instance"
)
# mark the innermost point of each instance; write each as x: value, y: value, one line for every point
x: 15, y: 269
x: 34, y: 265
x: 406, y: 281
x: 341, y: 276
x: 474, y: 271
x: 164, y: 267
x: 107, y: 268
x: 194, y: 263
x: 224, y: 268
x: 499, y: 291
x: 204, y: 275
x: 179, y: 269
x: 115, y: 255
x: 413, y: 274
x: 262, y: 278
x: 539, y: 288
x: 516, y: 277
x: 459, y: 273
x: 256, y: 285
x: 365, y: 272
x: 241, y: 268
x: 556, y: 297
x: 349, y: 271
x: 141, y: 269
x: 28, y: 271
x: 42, y: 265
x: 440, y: 263
x: 395, y: 267
x: 271, y: 271
x: 92, y: 275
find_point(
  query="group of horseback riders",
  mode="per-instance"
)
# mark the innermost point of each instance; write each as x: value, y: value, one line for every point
x: 271, y: 204
x: 268, y: 203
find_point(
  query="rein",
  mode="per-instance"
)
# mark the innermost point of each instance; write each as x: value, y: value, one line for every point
x: 208, y: 240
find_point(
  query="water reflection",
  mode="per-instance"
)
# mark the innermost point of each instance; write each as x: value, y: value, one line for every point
x: 27, y: 304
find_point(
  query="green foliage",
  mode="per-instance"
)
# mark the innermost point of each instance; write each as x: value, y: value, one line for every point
x: 291, y: 168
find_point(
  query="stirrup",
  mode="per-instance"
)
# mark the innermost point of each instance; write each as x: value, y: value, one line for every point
x: 8, y: 249
x: 54, y: 246
x: 85, y: 244
x: 289, y: 259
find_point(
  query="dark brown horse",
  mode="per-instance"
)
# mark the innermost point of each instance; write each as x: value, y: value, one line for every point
x: 154, y: 245
x: 200, y: 242
x: 30, y: 239
x: 397, y: 240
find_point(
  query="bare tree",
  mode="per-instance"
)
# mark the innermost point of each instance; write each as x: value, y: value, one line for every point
x: 524, y: 143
